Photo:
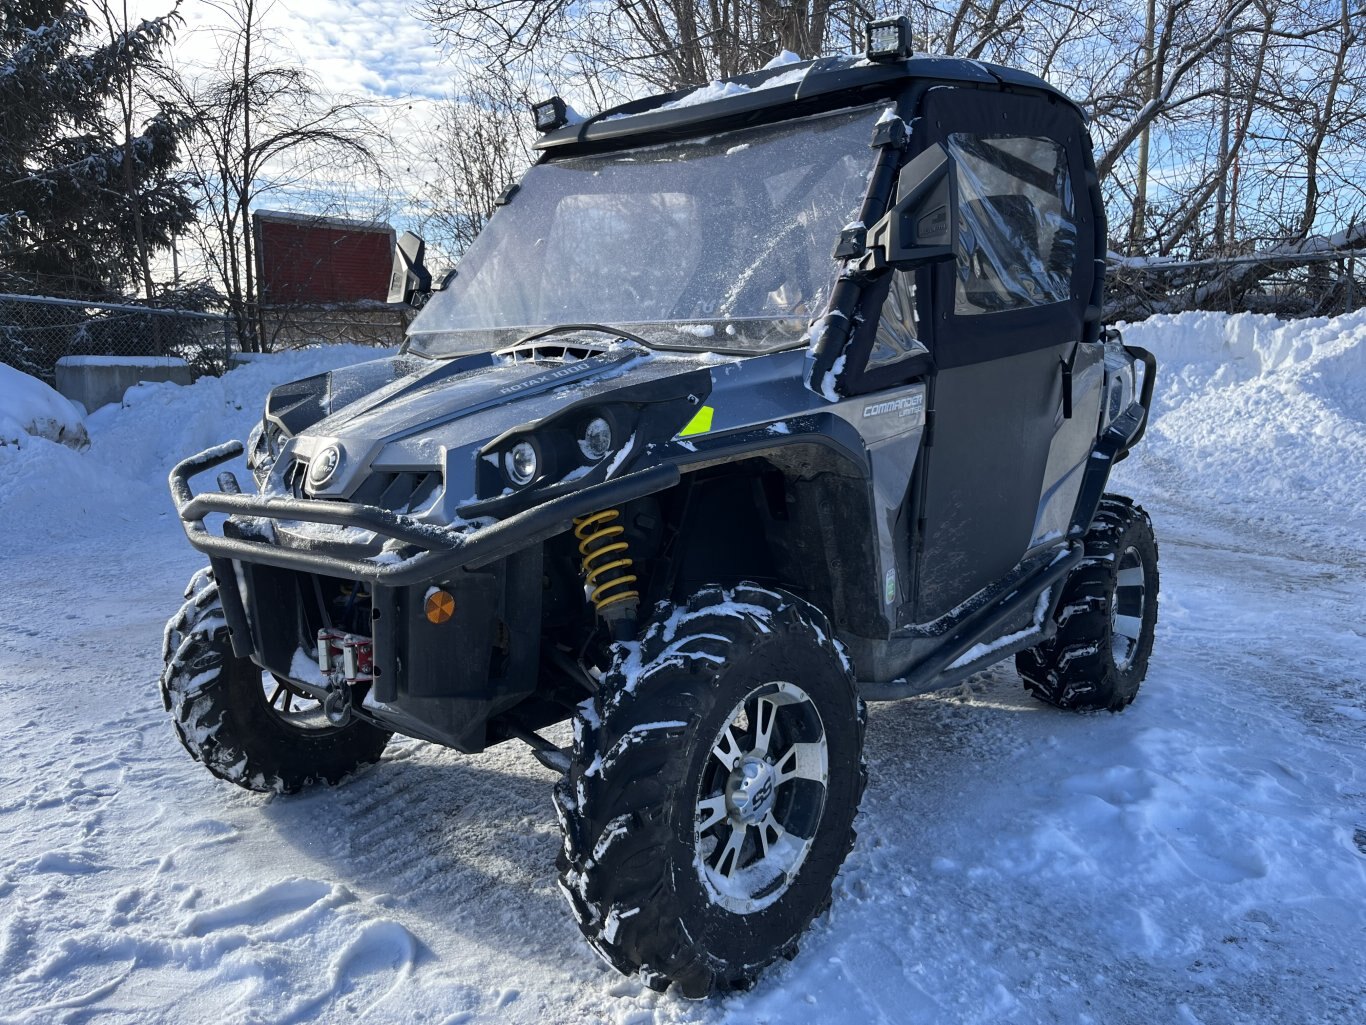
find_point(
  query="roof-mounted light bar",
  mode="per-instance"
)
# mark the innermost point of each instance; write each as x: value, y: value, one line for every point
x: 889, y: 39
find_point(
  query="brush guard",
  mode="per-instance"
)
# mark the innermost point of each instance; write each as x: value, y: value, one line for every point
x: 428, y: 551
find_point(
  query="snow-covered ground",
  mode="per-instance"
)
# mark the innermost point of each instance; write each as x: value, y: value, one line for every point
x: 1199, y: 858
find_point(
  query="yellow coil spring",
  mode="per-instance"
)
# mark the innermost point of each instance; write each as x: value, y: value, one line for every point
x: 606, y: 564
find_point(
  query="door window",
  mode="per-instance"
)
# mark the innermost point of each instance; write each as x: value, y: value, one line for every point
x: 898, y: 329
x: 1017, y: 238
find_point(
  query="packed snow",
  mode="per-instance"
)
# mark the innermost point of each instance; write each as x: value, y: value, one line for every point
x: 1200, y: 858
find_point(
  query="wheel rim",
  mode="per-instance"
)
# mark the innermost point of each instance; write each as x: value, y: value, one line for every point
x: 760, y: 798
x: 292, y: 706
x: 1128, y: 609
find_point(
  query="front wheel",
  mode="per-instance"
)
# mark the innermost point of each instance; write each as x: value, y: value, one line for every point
x: 248, y: 727
x: 711, y: 798
x: 1106, y: 617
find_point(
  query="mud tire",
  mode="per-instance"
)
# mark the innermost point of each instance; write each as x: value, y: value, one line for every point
x: 221, y: 714
x: 642, y: 746
x: 1078, y: 669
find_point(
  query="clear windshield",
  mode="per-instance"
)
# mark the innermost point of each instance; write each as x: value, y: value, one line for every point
x: 722, y: 243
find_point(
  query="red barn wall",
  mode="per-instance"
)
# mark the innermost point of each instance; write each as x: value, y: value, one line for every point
x: 321, y: 260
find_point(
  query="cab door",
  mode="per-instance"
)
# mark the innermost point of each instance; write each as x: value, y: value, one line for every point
x: 1005, y: 319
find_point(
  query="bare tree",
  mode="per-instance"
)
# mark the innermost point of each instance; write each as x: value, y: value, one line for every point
x: 481, y: 146
x: 262, y: 128
x: 666, y: 44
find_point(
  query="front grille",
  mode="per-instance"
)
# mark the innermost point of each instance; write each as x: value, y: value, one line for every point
x: 401, y: 491
x: 406, y: 491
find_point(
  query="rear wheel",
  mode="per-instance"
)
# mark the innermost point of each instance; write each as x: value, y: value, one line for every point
x: 712, y: 794
x: 1106, y: 617
x: 246, y: 726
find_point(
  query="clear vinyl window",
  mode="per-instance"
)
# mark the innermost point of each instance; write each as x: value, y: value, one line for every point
x: 1017, y: 238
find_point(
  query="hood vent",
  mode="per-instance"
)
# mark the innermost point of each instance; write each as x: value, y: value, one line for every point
x: 552, y: 351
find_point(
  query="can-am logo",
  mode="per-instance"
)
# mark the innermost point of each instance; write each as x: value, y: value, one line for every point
x: 902, y: 407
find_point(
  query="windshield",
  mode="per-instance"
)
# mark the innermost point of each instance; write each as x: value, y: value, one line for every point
x: 721, y: 243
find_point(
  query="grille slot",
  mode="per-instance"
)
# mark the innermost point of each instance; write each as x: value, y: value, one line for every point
x: 401, y: 491
x: 295, y: 476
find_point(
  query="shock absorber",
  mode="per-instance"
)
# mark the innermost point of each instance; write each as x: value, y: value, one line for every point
x: 605, y: 557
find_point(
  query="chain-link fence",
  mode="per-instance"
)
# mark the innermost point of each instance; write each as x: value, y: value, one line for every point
x: 36, y: 332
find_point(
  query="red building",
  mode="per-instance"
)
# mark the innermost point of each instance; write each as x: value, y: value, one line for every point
x: 309, y: 259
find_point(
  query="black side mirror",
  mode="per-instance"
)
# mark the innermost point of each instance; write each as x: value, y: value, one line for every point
x: 410, y: 282
x: 922, y: 226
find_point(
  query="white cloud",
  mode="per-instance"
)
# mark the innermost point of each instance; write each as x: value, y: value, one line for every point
x: 359, y: 48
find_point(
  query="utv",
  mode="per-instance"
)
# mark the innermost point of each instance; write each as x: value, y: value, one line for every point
x: 654, y: 461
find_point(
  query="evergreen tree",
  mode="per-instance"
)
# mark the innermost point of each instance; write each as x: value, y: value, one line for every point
x: 87, y: 190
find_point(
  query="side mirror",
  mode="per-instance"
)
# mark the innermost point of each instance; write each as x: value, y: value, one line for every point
x: 410, y: 282
x: 921, y: 228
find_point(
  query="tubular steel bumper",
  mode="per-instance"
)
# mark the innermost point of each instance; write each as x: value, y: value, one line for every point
x: 438, y: 550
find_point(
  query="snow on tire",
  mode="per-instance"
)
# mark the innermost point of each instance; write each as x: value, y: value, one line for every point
x: 1106, y: 617
x: 712, y: 793
x: 223, y: 717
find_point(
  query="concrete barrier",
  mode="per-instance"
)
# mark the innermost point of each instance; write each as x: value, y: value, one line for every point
x: 94, y: 381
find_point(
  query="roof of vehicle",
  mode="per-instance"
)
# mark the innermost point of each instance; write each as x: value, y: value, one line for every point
x: 787, y: 90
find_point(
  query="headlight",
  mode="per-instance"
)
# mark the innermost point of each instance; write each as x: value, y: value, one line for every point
x: 521, y: 464
x: 596, y: 440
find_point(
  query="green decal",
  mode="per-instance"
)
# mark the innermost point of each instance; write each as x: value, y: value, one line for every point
x: 700, y: 424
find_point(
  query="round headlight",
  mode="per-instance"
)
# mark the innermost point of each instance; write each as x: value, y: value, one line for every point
x: 596, y: 439
x: 323, y: 466
x: 520, y: 463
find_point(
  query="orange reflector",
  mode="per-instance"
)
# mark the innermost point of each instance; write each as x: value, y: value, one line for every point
x: 440, y: 606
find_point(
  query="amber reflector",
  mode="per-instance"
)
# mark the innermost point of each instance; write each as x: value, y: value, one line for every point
x: 440, y: 606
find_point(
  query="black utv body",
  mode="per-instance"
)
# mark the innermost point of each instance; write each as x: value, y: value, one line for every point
x: 656, y: 461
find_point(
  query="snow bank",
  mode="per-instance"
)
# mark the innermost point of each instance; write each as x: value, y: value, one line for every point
x: 47, y: 488
x: 1258, y: 420
x: 30, y: 407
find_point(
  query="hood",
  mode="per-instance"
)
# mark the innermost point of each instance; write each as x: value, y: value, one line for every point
x: 421, y: 417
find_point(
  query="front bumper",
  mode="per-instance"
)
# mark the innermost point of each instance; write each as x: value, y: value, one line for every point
x: 438, y: 681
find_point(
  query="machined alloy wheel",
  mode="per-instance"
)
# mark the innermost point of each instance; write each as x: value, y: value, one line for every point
x: 1127, y: 607
x: 761, y: 797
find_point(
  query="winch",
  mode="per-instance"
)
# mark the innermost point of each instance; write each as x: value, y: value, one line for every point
x: 344, y: 657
